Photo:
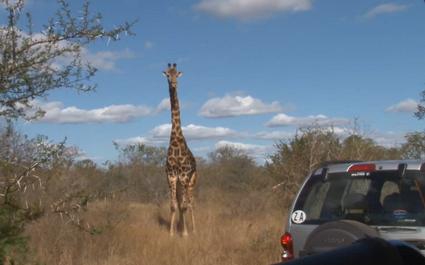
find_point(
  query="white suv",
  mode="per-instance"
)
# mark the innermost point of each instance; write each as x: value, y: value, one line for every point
x: 342, y: 202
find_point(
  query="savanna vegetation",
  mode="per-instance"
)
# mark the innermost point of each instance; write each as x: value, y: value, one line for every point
x: 58, y: 209
x: 71, y: 211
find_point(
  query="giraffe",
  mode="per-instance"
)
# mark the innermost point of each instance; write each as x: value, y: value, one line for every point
x: 180, y: 163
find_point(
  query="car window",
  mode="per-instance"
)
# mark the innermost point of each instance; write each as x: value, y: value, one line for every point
x: 315, y: 199
x: 379, y: 198
x: 359, y: 186
x: 388, y: 188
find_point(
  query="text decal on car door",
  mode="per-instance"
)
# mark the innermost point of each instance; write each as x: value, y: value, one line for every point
x: 298, y: 217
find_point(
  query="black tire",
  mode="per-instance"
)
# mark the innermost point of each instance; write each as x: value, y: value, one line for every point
x: 336, y: 234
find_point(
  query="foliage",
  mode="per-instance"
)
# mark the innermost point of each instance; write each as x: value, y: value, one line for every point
x: 420, y: 113
x: 21, y: 162
x: 357, y: 147
x: 34, y: 63
x: 141, y: 154
x: 296, y: 158
x: 84, y: 193
x: 141, y: 170
x: 228, y: 154
x: 38, y: 178
x: 232, y: 170
x: 11, y: 228
x: 414, y: 148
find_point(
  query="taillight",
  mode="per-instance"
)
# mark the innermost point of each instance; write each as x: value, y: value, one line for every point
x: 288, y: 247
x: 362, y: 168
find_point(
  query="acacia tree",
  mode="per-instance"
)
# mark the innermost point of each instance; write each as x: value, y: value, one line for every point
x: 420, y: 112
x: 22, y: 184
x: 34, y: 63
x: 414, y: 148
x: 234, y: 170
x: 295, y: 158
x: 140, y: 171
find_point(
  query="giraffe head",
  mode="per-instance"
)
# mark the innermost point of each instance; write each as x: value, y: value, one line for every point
x: 172, y: 74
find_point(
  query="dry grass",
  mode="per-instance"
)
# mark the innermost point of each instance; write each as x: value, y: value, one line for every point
x: 138, y: 234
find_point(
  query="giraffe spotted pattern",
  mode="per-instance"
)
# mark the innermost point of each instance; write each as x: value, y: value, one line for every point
x: 180, y: 164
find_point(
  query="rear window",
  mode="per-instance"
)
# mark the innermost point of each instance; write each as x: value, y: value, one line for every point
x: 378, y: 198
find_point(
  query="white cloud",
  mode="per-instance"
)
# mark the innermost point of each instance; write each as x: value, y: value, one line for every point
x: 161, y: 131
x: 257, y: 151
x: 139, y: 140
x: 318, y: 120
x: 106, y: 60
x: 81, y: 155
x: 340, y: 131
x: 247, y: 9
x: 274, y: 135
x: 385, y: 9
x: 230, y: 106
x: 408, y: 105
x: 56, y: 112
x: 388, y: 139
x: 163, y: 105
x: 161, y: 134
x: 284, y: 135
x: 194, y: 132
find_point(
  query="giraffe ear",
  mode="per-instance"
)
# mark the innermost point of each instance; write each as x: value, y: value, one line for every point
x: 164, y: 74
x: 179, y: 74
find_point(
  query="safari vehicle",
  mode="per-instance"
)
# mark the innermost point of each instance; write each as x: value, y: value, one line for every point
x: 342, y: 202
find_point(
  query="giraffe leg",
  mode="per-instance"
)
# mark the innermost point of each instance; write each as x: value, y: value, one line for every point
x: 183, y: 207
x: 173, y: 205
x: 190, y: 208
x: 191, y: 186
x: 183, y: 221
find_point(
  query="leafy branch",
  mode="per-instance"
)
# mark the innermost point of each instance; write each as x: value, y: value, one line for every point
x: 32, y: 64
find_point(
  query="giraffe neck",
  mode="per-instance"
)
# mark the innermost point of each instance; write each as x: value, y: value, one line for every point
x: 175, y: 110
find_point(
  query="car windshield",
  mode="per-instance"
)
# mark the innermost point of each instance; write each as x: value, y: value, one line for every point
x: 376, y: 198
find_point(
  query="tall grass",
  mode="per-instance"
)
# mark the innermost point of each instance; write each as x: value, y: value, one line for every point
x: 230, y: 230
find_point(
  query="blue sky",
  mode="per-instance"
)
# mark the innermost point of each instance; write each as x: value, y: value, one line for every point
x: 253, y: 72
